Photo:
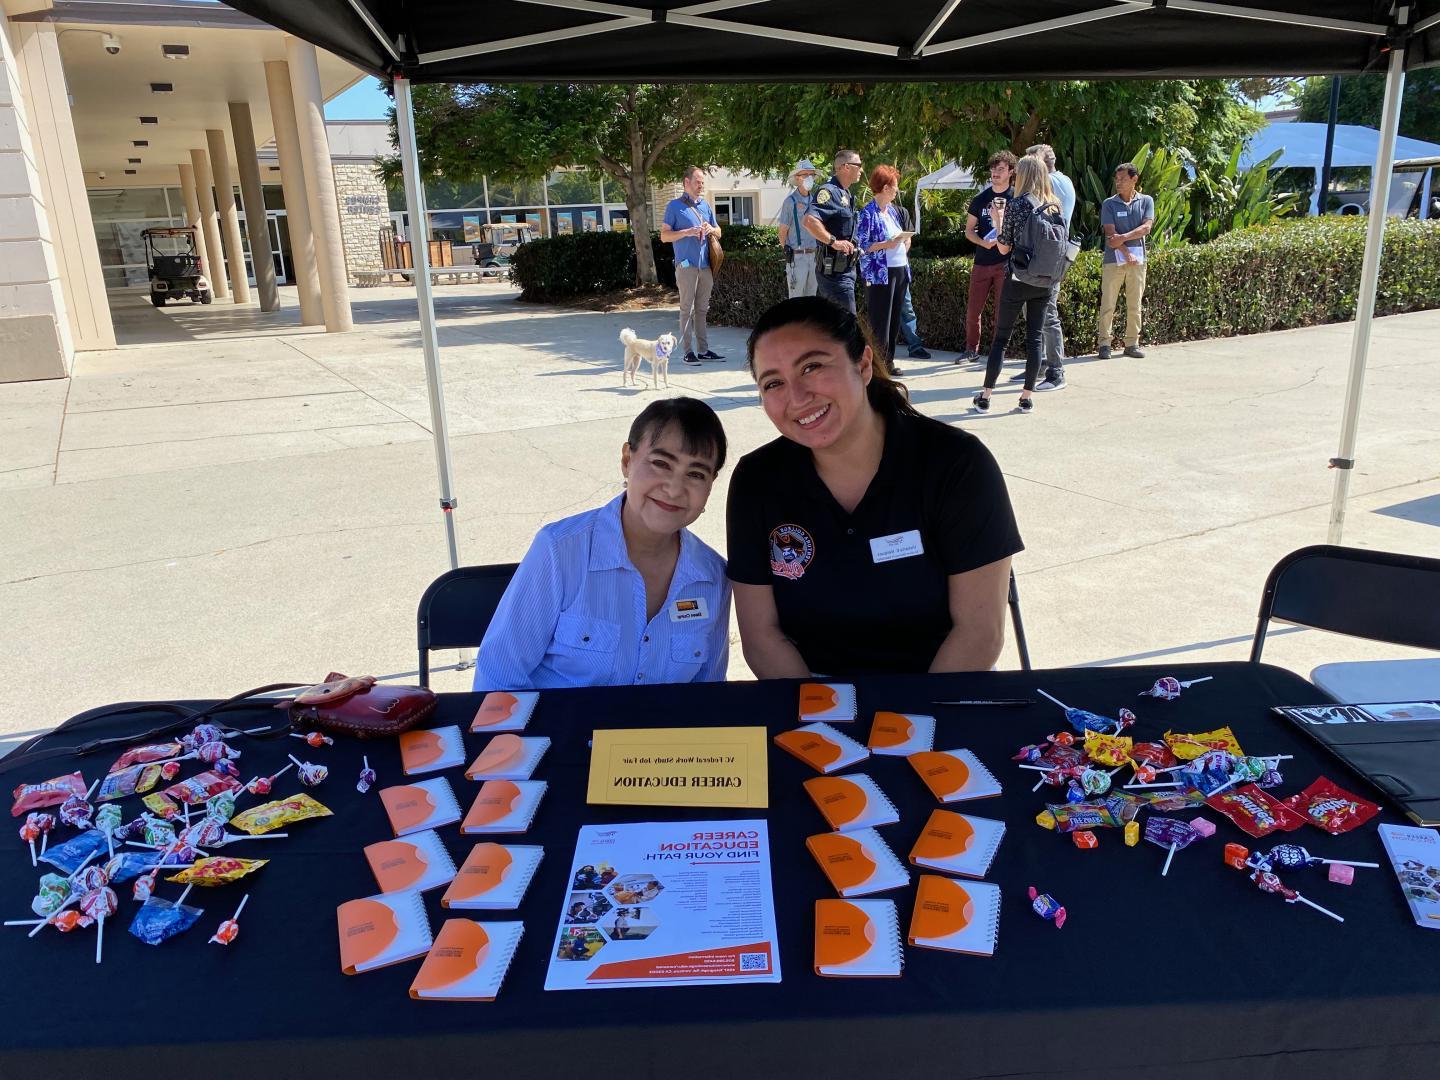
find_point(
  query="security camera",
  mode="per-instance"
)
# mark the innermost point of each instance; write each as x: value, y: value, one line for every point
x: 111, y: 43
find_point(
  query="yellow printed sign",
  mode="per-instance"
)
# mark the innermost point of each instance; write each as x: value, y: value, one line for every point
x: 680, y: 767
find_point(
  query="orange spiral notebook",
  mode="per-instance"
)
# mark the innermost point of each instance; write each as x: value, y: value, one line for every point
x: 505, y: 710
x: 900, y: 734
x: 831, y: 702
x: 417, y: 862
x: 954, y: 775
x: 431, y: 749
x: 956, y: 916
x: 822, y: 747
x: 958, y: 843
x: 416, y: 807
x: 381, y: 930
x: 858, y: 863
x: 468, y: 961
x: 851, y: 802
x: 857, y: 938
x: 493, y: 877
x: 508, y: 757
x: 504, y: 806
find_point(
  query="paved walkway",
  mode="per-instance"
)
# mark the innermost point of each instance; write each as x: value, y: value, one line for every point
x: 240, y: 503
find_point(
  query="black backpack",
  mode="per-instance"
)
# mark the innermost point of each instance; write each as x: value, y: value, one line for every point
x: 1043, y: 251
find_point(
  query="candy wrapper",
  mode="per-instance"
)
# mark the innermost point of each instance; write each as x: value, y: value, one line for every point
x: 1257, y: 812
x: 1189, y: 747
x: 1167, y: 687
x: 221, y: 807
x: 1328, y: 806
x: 230, y: 929
x: 144, y: 887
x: 1170, y: 834
x: 367, y: 777
x: 159, y: 920
x: 217, y: 870
x: 202, y: 788
x: 129, y: 865
x: 136, y: 780
x: 1086, y: 815
x: 1082, y: 720
x: 47, y: 793
x: 1156, y: 755
x: 272, y: 815
x: 77, y: 812
x: 51, y: 895
x: 161, y: 805
x: 139, y: 755
x: 1044, y: 905
x: 1109, y: 750
x: 203, y: 733
x: 74, y: 852
x: 1165, y: 802
x: 311, y: 775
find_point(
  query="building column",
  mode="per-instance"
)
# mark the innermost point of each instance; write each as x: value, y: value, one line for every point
x: 192, y: 215
x: 319, y: 183
x: 229, y: 219
x: 57, y: 159
x: 292, y: 181
x: 210, y: 224
x: 257, y: 219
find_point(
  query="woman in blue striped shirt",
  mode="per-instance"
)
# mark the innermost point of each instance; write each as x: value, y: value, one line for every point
x: 625, y: 594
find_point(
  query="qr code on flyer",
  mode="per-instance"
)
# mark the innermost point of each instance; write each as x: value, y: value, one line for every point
x: 754, y: 961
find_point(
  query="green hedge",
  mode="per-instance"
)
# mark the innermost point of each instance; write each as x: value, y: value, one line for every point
x: 1295, y: 273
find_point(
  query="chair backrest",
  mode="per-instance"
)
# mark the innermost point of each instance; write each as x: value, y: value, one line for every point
x: 1377, y: 595
x: 1020, y: 643
x: 456, y: 609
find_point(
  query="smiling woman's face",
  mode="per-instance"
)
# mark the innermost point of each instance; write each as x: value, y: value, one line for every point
x: 666, y: 486
x: 809, y: 387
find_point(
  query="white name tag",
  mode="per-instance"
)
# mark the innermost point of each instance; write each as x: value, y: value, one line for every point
x: 898, y: 546
x: 685, y: 610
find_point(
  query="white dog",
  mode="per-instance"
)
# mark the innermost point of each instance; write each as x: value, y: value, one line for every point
x: 637, y: 349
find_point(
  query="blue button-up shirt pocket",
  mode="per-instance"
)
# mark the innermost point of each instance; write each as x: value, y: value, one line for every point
x: 584, y: 648
x: 689, y: 653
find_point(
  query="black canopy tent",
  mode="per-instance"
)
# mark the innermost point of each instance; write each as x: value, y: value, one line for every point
x: 560, y: 41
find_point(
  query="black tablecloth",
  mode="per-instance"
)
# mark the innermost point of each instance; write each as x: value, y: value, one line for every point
x: 1184, y: 975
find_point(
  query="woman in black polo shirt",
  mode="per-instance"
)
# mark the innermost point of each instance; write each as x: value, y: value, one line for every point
x: 867, y: 537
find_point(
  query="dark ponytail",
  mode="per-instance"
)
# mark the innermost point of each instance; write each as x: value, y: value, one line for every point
x: 887, y: 396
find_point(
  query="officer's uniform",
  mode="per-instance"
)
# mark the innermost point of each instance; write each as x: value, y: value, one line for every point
x: 835, y: 208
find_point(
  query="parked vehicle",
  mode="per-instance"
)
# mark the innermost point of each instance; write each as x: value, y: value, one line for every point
x: 174, y: 266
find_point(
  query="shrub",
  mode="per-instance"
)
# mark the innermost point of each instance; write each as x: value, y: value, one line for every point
x: 941, y: 245
x: 1295, y: 273
x: 583, y: 264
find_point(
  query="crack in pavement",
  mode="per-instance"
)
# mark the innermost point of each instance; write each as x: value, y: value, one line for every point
x: 1281, y: 390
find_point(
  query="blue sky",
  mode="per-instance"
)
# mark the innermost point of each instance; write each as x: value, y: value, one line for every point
x: 363, y: 101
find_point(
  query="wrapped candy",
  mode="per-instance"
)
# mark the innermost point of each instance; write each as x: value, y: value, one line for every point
x: 30, y: 832
x: 1267, y: 881
x: 1154, y: 754
x: 89, y: 879
x: 1082, y: 720
x: 216, y: 751
x: 1108, y: 750
x: 107, y: 819
x: 314, y: 738
x: 230, y: 928
x: 1044, y: 905
x: 1255, y: 811
x: 310, y: 775
x: 367, y: 776
x: 46, y: 793
x: 99, y: 904
x: 130, y: 864
x: 269, y: 816
x: 221, y: 807
x: 75, y: 852
x: 203, y: 733
x: 1167, y: 687
x: 144, y: 886
x: 1236, y: 855
x: 139, y: 755
x: 1328, y: 806
x: 1132, y: 833
x: 217, y: 870
x: 159, y: 920
x: 202, y: 787
x: 46, y: 824
x: 1187, y: 747
x: 1169, y: 833
x: 136, y: 780
x: 1295, y: 857
x: 160, y: 804
x: 1168, y: 801
x: 77, y: 812
x: 262, y: 785
x: 158, y: 833
x: 1084, y: 815
x: 51, y: 895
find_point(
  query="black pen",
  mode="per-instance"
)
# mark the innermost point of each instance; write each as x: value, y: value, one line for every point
x: 999, y: 703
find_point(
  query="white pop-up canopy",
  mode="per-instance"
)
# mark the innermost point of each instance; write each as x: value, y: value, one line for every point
x: 1302, y: 146
x: 949, y: 177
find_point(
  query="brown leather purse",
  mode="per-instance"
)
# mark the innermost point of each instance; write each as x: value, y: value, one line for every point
x: 717, y: 254
x: 360, y: 707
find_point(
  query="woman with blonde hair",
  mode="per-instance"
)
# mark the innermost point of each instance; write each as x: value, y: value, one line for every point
x: 1033, y: 194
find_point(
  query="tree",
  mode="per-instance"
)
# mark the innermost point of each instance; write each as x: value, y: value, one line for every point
x: 1362, y: 99
x: 631, y: 134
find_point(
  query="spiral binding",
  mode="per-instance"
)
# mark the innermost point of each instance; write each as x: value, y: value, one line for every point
x: 506, y: 952
x: 875, y: 788
x: 884, y: 852
x: 896, y: 938
x: 526, y: 872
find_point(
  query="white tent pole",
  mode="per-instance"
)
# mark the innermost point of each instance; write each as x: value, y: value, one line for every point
x: 1344, y: 462
x: 429, y: 338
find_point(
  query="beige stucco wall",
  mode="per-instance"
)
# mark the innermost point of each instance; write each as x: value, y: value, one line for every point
x: 364, y: 211
x: 35, y: 338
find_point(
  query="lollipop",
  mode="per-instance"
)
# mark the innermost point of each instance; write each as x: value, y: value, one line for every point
x: 310, y: 775
x: 107, y: 819
x: 158, y: 833
x: 51, y: 896
x: 1269, y: 882
x: 221, y: 806
x: 367, y: 777
x: 1082, y: 720
x: 45, y: 823
x: 203, y: 733
x: 314, y: 738
x: 1295, y: 857
x: 77, y: 812
x: 1169, y: 833
x: 98, y: 904
x: 30, y: 832
x: 144, y: 886
x: 230, y: 928
x: 214, y: 752
x: 261, y: 785
x: 1167, y: 688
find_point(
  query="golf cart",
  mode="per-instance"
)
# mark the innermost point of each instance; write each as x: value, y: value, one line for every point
x: 500, y: 243
x: 175, y: 270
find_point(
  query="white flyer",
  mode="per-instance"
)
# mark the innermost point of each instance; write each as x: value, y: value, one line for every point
x: 670, y: 903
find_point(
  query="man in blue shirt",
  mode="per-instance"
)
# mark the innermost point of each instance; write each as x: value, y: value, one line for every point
x: 1126, y: 219
x: 688, y: 225
x: 798, y: 244
x: 831, y: 221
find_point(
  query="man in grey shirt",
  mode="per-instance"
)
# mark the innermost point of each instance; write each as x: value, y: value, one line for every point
x: 1126, y: 219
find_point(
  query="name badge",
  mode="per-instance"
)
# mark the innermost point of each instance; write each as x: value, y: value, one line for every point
x: 897, y: 546
x: 685, y: 610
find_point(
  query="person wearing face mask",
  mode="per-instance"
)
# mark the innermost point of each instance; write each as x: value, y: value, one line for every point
x: 799, y: 245
x: 626, y: 594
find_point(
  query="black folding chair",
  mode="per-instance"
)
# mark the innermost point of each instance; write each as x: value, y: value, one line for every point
x: 1376, y: 595
x: 456, y: 610
x: 1020, y: 644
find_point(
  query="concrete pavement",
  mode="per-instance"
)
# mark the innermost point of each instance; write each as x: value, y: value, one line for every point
x: 239, y: 502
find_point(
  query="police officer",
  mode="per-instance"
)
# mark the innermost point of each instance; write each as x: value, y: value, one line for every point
x: 831, y: 220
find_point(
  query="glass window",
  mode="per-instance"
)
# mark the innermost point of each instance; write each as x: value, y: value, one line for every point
x: 128, y: 204
x: 274, y: 196
x: 620, y: 220
x: 523, y: 193
x: 573, y: 187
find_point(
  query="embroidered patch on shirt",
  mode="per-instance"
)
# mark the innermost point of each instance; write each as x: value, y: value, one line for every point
x: 791, y: 549
x: 822, y: 196
x: 685, y: 610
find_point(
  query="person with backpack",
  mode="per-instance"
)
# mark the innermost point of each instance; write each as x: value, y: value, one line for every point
x: 1031, y: 231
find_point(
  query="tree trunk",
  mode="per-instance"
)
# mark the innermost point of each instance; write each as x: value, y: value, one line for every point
x: 637, y: 201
